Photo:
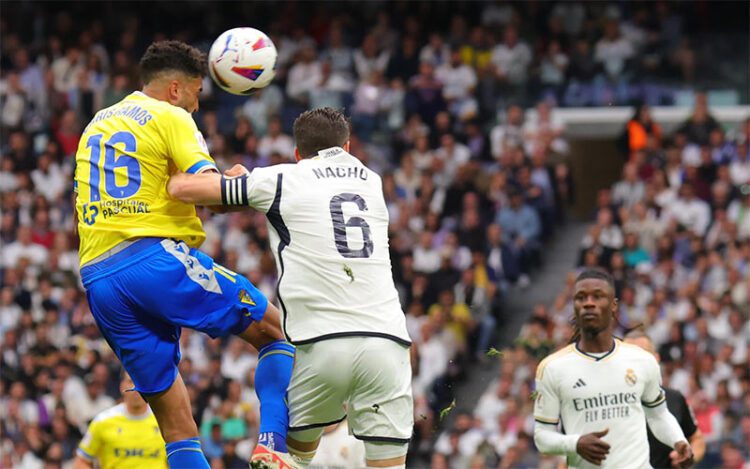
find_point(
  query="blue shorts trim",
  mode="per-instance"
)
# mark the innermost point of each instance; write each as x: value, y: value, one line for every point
x: 142, y: 296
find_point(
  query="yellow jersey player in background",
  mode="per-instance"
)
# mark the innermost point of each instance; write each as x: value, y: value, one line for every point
x: 144, y: 277
x: 125, y: 436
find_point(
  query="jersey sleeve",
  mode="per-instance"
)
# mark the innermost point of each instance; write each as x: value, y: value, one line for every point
x: 185, y: 143
x: 91, y: 442
x: 547, y: 399
x: 653, y: 394
x: 262, y: 186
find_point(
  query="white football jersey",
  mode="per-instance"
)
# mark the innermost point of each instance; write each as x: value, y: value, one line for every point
x: 588, y: 394
x: 328, y: 227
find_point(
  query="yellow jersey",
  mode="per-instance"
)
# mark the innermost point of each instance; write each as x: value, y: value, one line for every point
x: 124, y: 160
x: 117, y: 439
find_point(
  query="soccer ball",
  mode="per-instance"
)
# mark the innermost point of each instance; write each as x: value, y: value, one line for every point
x: 242, y: 60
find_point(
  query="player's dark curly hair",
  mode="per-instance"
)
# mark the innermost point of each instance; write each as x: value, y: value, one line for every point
x: 172, y: 55
x: 319, y: 129
x: 598, y: 274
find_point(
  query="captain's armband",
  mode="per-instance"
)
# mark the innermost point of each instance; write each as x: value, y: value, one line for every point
x: 234, y: 190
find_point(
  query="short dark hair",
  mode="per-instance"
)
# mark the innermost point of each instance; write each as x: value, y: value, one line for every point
x: 319, y: 129
x: 598, y: 274
x: 172, y: 56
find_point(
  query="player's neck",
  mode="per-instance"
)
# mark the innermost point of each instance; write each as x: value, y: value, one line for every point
x: 156, y: 92
x: 596, y: 342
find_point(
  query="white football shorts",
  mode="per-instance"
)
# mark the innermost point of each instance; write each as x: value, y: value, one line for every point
x: 366, y: 380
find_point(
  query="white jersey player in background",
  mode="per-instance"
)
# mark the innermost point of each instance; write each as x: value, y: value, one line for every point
x: 328, y: 227
x: 602, y: 391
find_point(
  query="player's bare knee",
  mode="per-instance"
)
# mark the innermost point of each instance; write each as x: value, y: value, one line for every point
x: 392, y: 463
x: 381, y: 454
x: 265, y: 331
x: 302, y: 446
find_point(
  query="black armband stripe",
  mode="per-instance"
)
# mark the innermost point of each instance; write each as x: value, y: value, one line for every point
x: 234, y: 190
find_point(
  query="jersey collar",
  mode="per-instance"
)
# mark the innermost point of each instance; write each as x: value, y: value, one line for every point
x: 330, y: 153
x: 598, y: 357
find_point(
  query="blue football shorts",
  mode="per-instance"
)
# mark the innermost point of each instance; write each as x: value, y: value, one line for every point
x: 143, y: 295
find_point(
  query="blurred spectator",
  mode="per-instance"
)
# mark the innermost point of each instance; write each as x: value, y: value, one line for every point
x: 404, y: 64
x: 425, y: 93
x: 701, y: 123
x: 508, y: 135
x: 459, y: 81
x: 553, y: 69
x: 435, y: 51
x: 275, y: 141
x: 339, y: 54
x: 304, y: 76
x: 630, y: 190
x: 511, y: 59
x: 521, y: 229
x: 614, y: 51
x: 261, y: 105
x: 688, y: 211
x: 544, y: 129
x: 369, y: 58
x: 640, y: 130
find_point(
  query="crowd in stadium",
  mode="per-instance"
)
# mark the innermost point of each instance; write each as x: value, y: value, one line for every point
x: 675, y: 234
x: 475, y: 185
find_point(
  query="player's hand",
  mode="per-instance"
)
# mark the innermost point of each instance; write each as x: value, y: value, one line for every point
x: 592, y: 448
x: 682, y: 456
x: 236, y: 170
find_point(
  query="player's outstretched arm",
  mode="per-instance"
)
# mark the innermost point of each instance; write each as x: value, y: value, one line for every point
x: 206, y: 189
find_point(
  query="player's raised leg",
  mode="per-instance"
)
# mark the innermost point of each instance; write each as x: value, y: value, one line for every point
x: 272, y: 375
x: 241, y: 309
x: 143, y: 328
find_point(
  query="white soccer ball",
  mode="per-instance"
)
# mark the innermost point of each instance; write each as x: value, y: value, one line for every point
x: 242, y: 60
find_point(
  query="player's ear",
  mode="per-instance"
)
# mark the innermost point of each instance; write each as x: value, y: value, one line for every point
x: 297, y: 155
x: 173, y: 91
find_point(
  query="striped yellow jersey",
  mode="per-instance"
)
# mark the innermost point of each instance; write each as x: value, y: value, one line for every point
x: 123, y: 162
x: 117, y: 439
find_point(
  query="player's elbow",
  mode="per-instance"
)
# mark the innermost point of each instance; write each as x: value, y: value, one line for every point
x: 178, y: 188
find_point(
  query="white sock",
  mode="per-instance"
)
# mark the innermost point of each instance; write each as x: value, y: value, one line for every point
x: 400, y: 466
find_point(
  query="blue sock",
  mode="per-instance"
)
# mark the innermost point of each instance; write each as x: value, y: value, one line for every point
x: 186, y: 453
x: 272, y: 376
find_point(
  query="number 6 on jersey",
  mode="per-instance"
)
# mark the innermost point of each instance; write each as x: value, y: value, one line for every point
x: 340, y: 225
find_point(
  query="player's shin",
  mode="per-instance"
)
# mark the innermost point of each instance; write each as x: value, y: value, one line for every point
x: 186, y: 453
x: 275, y: 362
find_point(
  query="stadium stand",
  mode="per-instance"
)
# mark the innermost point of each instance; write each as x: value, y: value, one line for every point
x: 475, y: 187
